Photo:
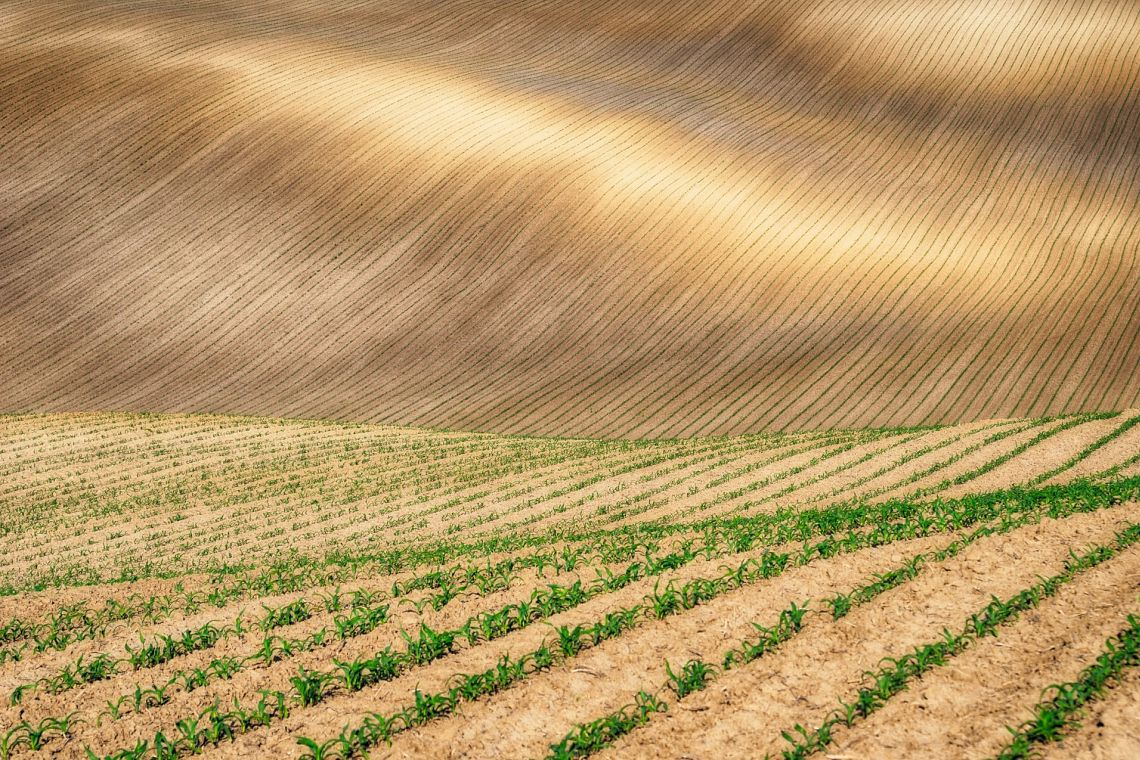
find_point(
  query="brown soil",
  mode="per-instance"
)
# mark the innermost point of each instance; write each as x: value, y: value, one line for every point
x: 249, y: 681
x: 1041, y: 458
x: 895, y: 479
x: 946, y: 467
x: 749, y: 706
x: 607, y: 221
x: 302, y: 486
x: 524, y: 721
x: 993, y: 684
x: 1110, y: 729
x: 1112, y: 453
x: 372, y: 489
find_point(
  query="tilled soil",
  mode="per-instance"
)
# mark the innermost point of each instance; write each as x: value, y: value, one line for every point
x: 673, y: 502
x: 1109, y: 729
x: 993, y: 684
x: 749, y: 706
x: 524, y: 721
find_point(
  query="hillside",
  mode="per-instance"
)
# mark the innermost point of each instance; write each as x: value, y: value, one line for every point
x: 91, y: 497
x: 185, y: 585
x: 604, y: 219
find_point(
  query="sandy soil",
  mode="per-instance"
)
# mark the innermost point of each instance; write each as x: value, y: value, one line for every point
x: 603, y: 679
x: 751, y: 705
x: 304, y: 486
x: 962, y: 710
x: 1109, y: 730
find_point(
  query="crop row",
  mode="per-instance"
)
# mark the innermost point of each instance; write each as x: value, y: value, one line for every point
x: 351, y: 510
x: 299, y: 572
x: 898, y: 672
x: 696, y: 674
x: 884, y: 526
x: 319, y: 517
x: 1061, y: 703
x: 314, y: 686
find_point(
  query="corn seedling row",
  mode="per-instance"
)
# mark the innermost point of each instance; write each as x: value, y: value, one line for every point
x: 895, y: 676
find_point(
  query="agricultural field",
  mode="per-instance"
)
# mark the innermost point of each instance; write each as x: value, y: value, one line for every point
x: 179, y: 585
x: 665, y: 380
x: 590, y: 218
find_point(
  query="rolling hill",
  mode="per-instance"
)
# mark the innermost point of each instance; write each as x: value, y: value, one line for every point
x: 564, y: 380
x: 578, y: 219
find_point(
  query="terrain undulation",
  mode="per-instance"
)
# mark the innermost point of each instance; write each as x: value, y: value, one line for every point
x: 183, y: 585
x: 578, y: 219
x: 531, y: 379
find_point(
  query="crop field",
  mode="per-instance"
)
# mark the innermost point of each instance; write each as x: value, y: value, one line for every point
x: 181, y: 585
x: 589, y: 218
x: 554, y: 379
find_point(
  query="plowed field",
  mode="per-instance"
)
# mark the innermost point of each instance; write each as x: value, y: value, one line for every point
x: 632, y: 379
x: 593, y: 218
x: 244, y: 587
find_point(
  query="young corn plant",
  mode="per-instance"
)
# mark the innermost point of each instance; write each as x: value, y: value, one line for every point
x: 693, y: 676
x: 772, y: 564
x: 310, y: 686
x: 587, y: 738
x: 318, y: 751
x: 1061, y: 703
x: 889, y: 679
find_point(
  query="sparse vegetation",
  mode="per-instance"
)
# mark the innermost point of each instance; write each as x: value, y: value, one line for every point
x: 234, y: 651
